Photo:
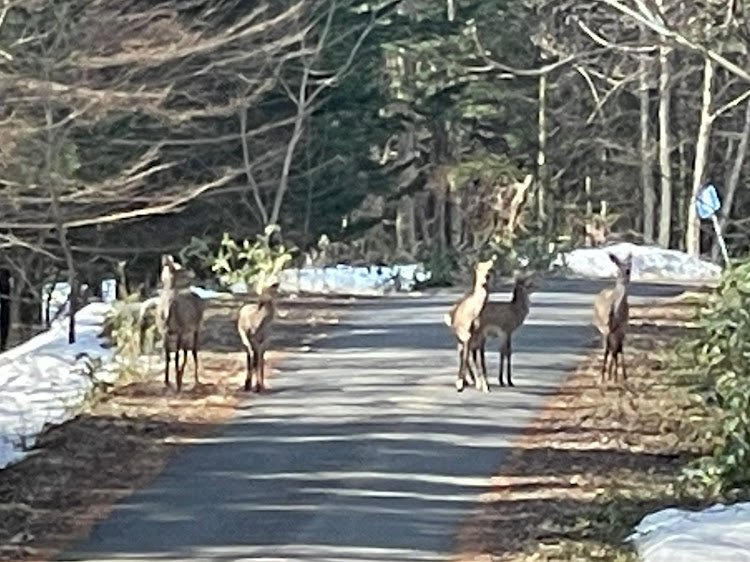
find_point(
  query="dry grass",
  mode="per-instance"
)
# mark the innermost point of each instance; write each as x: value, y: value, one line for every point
x: 597, y: 458
x: 122, y: 440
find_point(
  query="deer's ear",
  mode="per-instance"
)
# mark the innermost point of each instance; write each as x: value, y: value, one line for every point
x: 614, y: 258
x: 167, y: 260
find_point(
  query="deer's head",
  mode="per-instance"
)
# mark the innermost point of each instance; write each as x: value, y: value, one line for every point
x: 624, y: 267
x: 173, y: 275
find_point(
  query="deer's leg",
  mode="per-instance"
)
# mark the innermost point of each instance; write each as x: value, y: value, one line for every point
x: 502, y: 351
x: 472, y: 376
x: 604, y: 360
x: 509, y: 356
x: 463, y: 354
x: 177, y: 367
x: 474, y: 356
x: 485, y: 382
x: 257, y: 362
x: 469, y: 358
x: 249, y: 372
x: 620, y: 349
x: 262, y: 368
x: 195, y: 355
x: 166, y: 360
x: 613, y: 362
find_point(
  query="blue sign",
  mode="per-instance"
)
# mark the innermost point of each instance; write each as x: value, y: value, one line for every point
x: 707, y: 201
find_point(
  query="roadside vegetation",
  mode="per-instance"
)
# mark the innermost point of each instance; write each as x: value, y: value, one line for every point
x: 600, y: 457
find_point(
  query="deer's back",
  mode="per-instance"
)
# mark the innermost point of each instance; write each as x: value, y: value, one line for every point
x: 185, y: 312
x: 502, y: 316
x: 254, y: 320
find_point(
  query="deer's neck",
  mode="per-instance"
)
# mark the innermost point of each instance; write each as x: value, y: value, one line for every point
x: 620, y: 293
x: 479, y: 293
x: 521, y: 300
x: 167, y: 296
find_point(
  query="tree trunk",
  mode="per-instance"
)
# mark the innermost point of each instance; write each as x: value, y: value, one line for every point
x: 647, y: 175
x: 456, y: 222
x: 250, y: 178
x: 5, y: 306
x: 692, y: 234
x: 420, y: 216
x: 451, y: 9
x: 683, y: 196
x: 286, y: 169
x: 411, y: 224
x: 734, y: 180
x: 406, y: 236
x: 441, y: 203
x: 299, y: 121
x: 541, y: 157
x: 51, y: 169
x: 665, y: 148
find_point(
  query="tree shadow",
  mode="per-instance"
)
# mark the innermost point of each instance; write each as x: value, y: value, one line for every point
x: 543, y: 500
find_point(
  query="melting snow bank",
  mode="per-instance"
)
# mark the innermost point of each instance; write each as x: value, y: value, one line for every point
x: 717, y: 533
x: 44, y: 380
x: 347, y: 279
x: 649, y: 263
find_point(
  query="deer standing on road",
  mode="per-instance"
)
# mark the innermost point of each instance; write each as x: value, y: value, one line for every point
x: 181, y: 312
x: 611, y: 314
x: 255, y: 324
x: 462, y: 317
x: 501, y: 319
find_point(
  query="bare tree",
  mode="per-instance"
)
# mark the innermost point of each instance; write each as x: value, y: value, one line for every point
x: 313, y: 81
x: 665, y: 147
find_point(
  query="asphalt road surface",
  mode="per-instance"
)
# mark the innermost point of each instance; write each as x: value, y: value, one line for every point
x: 363, y: 450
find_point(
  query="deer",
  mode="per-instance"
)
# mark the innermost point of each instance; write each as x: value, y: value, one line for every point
x: 181, y: 314
x: 462, y: 317
x: 611, y: 315
x: 501, y: 319
x: 255, y: 324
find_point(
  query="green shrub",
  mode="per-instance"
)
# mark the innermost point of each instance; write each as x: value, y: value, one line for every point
x: 529, y: 252
x: 256, y: 264
x: 442, y: 265
x: 128, y: 335
x: 720, y: 355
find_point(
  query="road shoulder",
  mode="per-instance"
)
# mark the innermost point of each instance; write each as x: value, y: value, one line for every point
x: 122, y: 440
x: 595, y: 459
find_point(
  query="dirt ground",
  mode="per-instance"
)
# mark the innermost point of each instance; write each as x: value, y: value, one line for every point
x: 121, y: 441
x: 597, y: 458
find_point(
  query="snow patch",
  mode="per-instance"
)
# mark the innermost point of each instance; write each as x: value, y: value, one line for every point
x: 347, y: 279
x: 44, y: 380
x: 720, y: 532
x: 649, y: 263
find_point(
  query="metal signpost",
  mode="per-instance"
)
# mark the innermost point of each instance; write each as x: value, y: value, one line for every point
x: 707, y: 204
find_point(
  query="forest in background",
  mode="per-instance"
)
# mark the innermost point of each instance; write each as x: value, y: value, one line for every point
x: 402, y: 130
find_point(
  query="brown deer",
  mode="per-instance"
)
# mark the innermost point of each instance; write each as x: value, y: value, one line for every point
x: 181, y: 312
x: 255, y: 324
x: 611, y: 314
x: 462, y: 317
x: 501, y: 319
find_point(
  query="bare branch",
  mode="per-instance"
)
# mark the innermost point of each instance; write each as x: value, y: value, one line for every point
x: 657, y: 25
x: 731, y: 104
x: 248, y: 168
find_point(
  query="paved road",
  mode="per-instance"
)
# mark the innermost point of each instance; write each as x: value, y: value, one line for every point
x: 363, y: 450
